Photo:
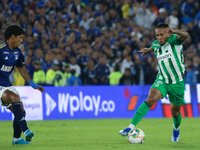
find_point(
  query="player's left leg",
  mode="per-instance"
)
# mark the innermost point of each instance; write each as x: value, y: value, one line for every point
x: 176, y: 97
x: 176, y: 114
x: 17, y: 130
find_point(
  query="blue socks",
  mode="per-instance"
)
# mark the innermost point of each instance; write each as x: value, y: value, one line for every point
x: 19, y: 118
x: 17, y: 129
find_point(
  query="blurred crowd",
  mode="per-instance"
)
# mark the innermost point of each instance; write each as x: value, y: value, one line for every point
x: 95, y: 42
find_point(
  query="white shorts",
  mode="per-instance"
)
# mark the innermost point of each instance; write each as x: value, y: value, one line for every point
x: 10, y: 88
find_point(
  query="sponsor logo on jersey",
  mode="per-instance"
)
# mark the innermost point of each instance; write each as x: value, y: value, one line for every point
x: 6, y: 68
x: 156, y: 44
x: 15, y: 52
x: 6, y: 52
x: 164, y: 57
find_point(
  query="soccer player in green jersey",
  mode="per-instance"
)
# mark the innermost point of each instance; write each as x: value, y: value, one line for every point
x: 170, y: 78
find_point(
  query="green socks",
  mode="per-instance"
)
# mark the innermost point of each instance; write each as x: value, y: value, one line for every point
x: 140, y: 113
x: 177, y: 121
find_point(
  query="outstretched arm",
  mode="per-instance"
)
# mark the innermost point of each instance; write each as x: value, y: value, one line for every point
x: 146, y: 51
x: 24, y: 73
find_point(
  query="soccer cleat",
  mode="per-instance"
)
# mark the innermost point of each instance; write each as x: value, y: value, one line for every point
x: 20, y: 141
x: 125, y: 131
x: 29, y: 135
x: 175, y: 135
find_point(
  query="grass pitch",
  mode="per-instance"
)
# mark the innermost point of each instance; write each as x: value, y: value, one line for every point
x: 103, y: 134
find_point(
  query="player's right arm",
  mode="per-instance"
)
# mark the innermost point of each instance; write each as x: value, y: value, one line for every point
x: 182, y: 35
x: 146, y: 51
x: 24, y: 73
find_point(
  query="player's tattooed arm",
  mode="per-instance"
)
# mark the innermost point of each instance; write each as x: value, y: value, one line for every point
x: 24, y: 73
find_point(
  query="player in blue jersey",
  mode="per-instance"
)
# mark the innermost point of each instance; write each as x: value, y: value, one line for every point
x: 11, y: 56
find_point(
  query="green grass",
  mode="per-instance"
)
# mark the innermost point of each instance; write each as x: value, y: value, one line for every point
x: 102, y: 134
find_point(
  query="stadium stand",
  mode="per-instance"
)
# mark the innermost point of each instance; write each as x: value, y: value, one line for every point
x: 104, y: 33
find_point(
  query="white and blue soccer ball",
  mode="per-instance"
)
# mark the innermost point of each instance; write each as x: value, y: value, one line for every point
x: 136, y: 136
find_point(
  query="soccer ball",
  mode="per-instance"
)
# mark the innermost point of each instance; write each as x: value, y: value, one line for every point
x: 136, y: 136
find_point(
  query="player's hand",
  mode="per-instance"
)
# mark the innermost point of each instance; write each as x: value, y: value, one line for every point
x: 144, y: 51
x: 35, y: 86
x: 40, y: 88
x: 169, y: 31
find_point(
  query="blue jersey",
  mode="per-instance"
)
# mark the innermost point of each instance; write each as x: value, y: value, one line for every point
x: 8, y: 60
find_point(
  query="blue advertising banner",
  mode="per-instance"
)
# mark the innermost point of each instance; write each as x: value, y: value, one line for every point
x: 92, y: 102
x: 5, y: 114
x: 95, y: 102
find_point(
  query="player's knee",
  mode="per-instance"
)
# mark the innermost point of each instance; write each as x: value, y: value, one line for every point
x: 175, y: 113
x: 150, y: 100
x: 14, y: 98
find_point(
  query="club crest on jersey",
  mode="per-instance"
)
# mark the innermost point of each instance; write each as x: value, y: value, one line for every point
x: 6, y: 68
x: 16, y: 57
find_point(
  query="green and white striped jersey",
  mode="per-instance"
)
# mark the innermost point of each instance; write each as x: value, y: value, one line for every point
x: 170, y: 60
